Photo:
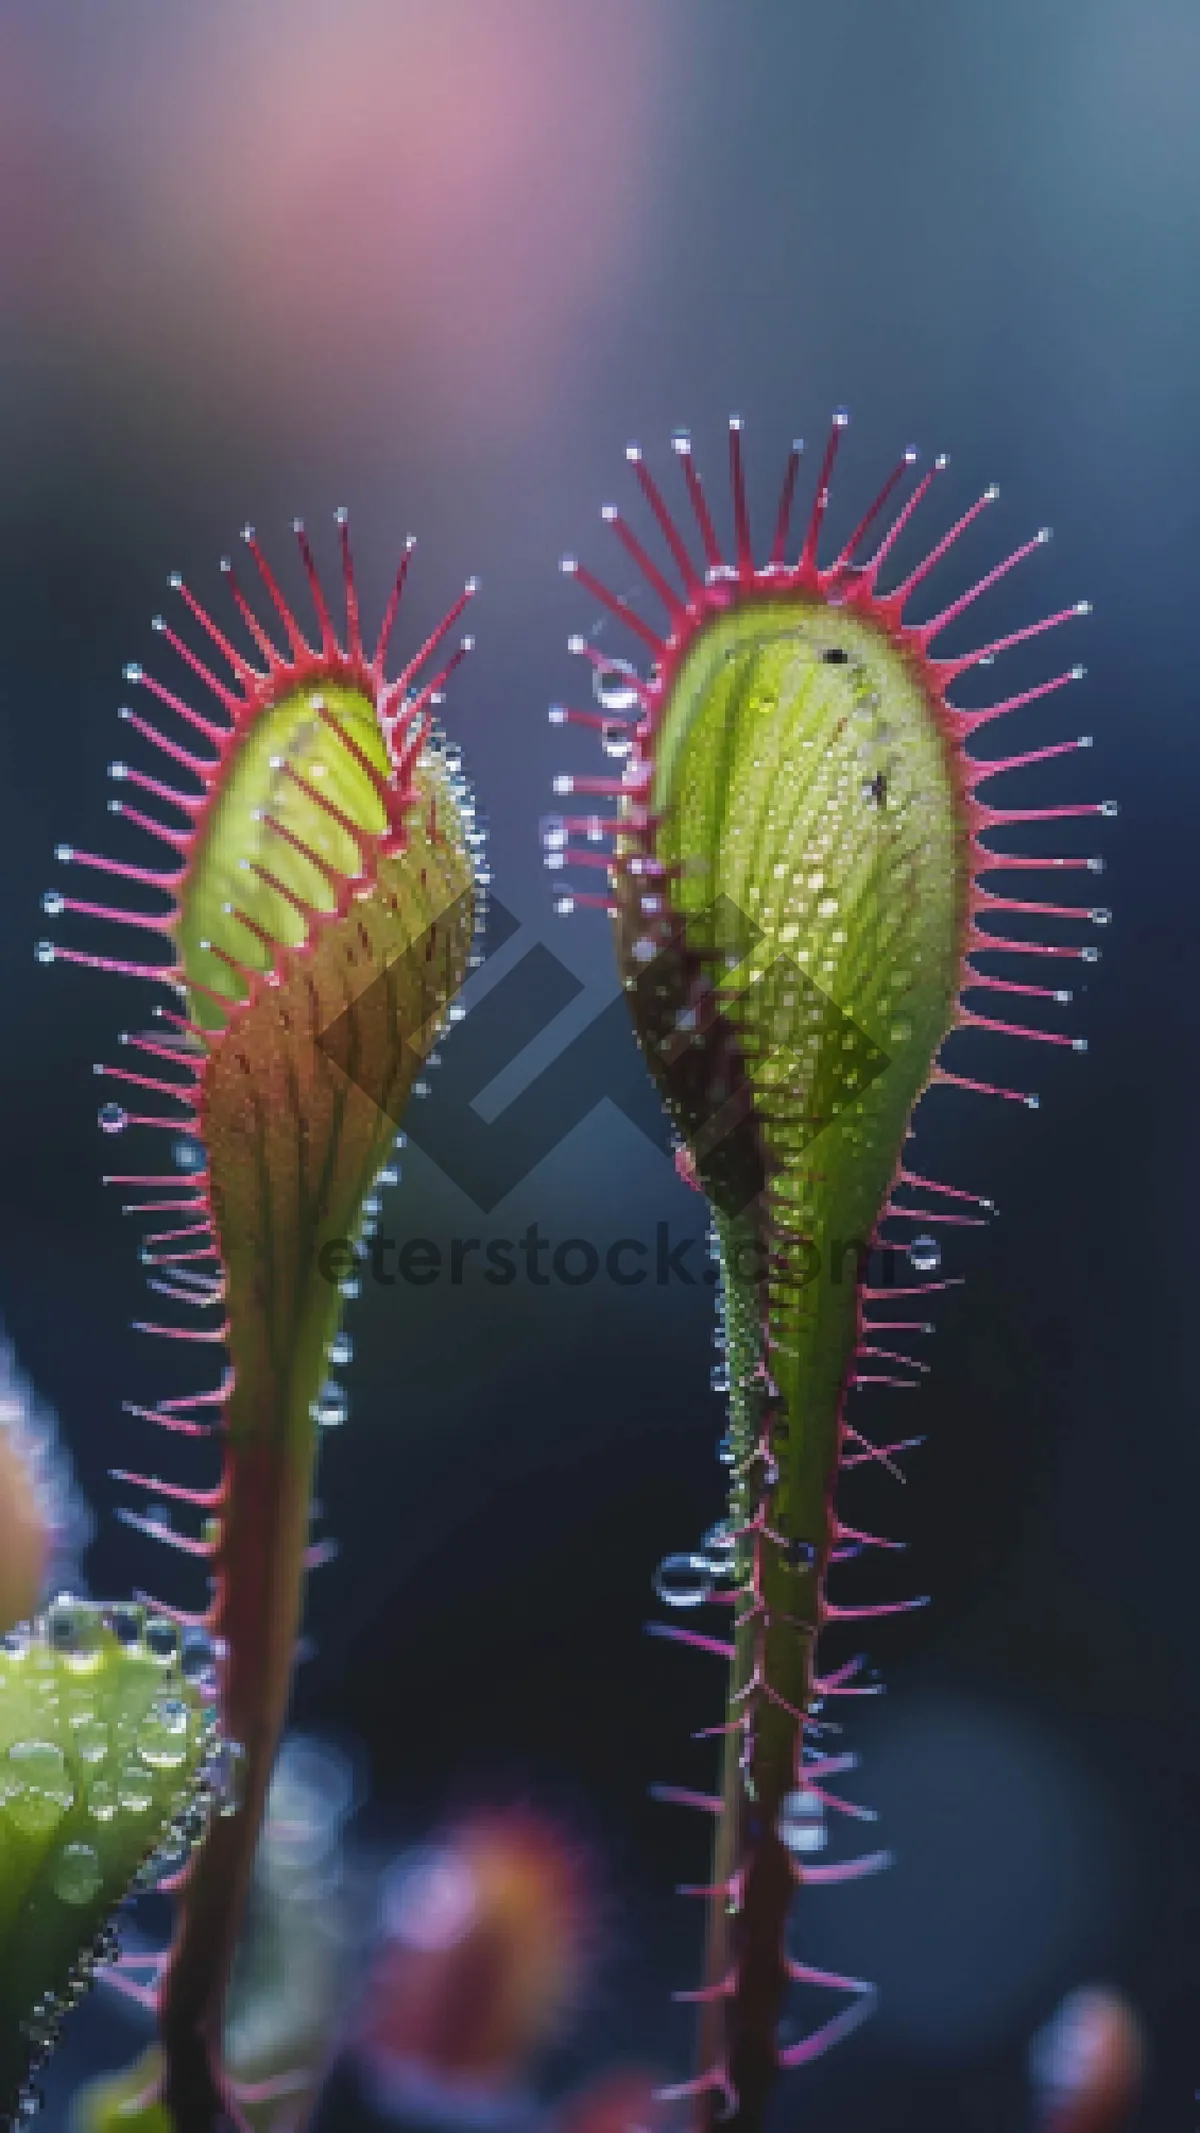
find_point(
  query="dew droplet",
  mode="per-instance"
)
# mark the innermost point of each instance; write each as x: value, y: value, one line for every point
x: 227, y: 1772
x: 802, y: 1822
x: 37, y: 1785
x: 37, y: 1762
x: 135, y: 1789
x: 112, y: 1118
x: 340, y: 1350
x: 198, y: 1658
x: 91, y: 1740
x: 76, y: 1874
x: 925, y: 1254
x: 171, y: 1856
x: 684, y: 1580
x: 76, y: 1630
x: 162, y: 1639
x: 719, y: 1549
x: 102, y: 1800
x: 617, y: 685
x: 162, y: 1738
x: 331, y: 1407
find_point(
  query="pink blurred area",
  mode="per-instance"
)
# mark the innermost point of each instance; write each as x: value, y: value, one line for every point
x: 368, y: 209
x: 1088, y: 2063
x: 487, y: 1939
x: 624, y: 2100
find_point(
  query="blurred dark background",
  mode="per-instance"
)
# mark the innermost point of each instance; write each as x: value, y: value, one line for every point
x: 439, y: 260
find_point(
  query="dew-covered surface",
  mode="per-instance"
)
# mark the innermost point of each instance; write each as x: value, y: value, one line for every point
x: 108, y: 1761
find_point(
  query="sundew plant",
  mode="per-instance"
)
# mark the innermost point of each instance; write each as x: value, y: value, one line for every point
x: 312, y: 900
x: 812, y: 913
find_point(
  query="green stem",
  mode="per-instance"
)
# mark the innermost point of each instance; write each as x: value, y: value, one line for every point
x: 258, y: 1619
